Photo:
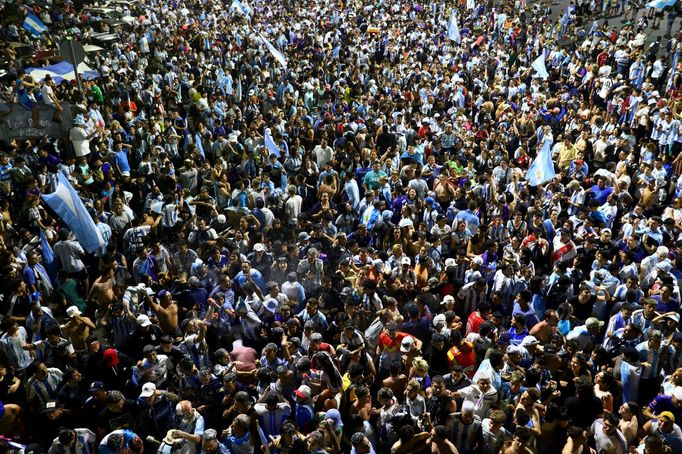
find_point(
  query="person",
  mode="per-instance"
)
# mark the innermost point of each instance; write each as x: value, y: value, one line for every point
x: 607, y: 437
x: 50, y: 98
x: 399, y: 201
x: 73, y: 440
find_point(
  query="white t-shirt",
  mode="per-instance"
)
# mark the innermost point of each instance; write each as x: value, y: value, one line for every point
x: 79, y: 139
x: 47, y: 93
x: 614, y: 444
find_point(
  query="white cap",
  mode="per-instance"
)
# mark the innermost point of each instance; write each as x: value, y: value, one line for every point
x: 143, y: 320
x: 448, y: 299
x: 478, y: 261
x: 406, y: 261
x: 406, y: 344
x: 222, y: 219
x: 148, y: 389
x: 529, y: 340
x: 72, y: 311
x: 258, y: 247
x: 271, y: 305
x: 450, y: 262
x: 439, y: 320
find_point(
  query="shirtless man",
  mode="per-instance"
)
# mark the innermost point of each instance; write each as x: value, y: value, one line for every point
x: 544, y: 330
x: 577, y: 442
x: 440, y: 443
x: 167, y: 312
x: 77, y: 328
x: 519, y: 444
x: 102, y: 291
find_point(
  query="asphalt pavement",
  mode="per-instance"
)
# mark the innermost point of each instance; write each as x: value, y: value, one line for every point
x: 618, y: 21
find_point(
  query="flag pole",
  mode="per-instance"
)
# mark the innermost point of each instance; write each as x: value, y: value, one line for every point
x: 75, y: 66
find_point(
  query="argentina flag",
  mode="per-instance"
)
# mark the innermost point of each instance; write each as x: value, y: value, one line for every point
x: 270, y: 143
x: 660, y: 4
x: 241, y: 7
x: 279, y: 56
x: 34, y: 25
x: 542, y: 169
x: 453, y: 28
x: 66, y: 203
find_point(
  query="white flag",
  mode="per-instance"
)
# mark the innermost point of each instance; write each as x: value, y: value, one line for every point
x: 279, y: 56
x: 539, y: 66
x: 453, y: 28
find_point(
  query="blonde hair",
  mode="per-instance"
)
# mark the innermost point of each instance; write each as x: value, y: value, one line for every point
x: 420, y: 365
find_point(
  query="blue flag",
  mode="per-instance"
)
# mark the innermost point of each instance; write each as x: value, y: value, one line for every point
x: 67, y: 204
x: 34, y: 25
x: 270, y: 144
x: 542, y: 169
x: 49, y: 262
x: 453, y: 28
x: 199, y: 142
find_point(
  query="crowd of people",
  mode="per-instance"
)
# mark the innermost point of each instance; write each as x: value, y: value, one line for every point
x: 319, y: 232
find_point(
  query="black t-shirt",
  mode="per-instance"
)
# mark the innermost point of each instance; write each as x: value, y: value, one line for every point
x: 582, y: 311
x: 584, y: 412
x: 125, y: 419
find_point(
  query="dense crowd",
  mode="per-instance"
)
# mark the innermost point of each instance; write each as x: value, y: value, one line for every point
x: 318, y: 231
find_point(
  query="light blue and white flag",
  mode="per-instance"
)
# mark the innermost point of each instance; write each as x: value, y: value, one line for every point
x: 542, y: 169
x: 34, y: 25
x: 241, y: 7
x: 660, y: 4
x: 279, y: 56
x: 61, y: 71
x: 270, y: 143
x: 49, y: 263
x: 539, y: 66
x: 238, y: 93
x: 453, y: 28
x: 67, y: 204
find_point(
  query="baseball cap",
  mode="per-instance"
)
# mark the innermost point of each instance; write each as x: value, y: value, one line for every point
x: 594, y: 322
x: 529, y: 340
x: 303, y: 392
x: 448, y: 299
x: 406, y: 261
x: 72, y: 311
x: 148, y: 389
x: 96, y: 386
x: 667, y: 415
x: 110, y: 357
x: 674, y: 317
x: 513, y: 349
x: 143, y: 320
x: 450, y: 262
x: 258, y: 247
x: 406, y: 344
x: 439, y: 319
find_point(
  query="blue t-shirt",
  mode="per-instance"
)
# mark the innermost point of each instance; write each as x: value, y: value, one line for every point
x: 663, y: 403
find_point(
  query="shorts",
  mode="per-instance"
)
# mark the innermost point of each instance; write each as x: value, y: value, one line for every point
x: 80, y: 275
x: 28, y: 104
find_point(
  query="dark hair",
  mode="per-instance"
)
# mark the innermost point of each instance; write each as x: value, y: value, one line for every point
x: 496, y: 358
